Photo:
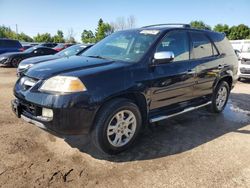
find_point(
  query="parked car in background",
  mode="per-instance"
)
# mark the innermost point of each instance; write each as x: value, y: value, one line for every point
x: 49, y: 45
x: 14, y: 58
x: 127, y: 80
x: 60, y: 47
x: 25, y: 47
x: 244, y: 64
x: 244, y: 67
x: 9, y: 45
x: 73, y: 50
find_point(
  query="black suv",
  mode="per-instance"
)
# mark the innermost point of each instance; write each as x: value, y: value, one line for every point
x: 127, y: 80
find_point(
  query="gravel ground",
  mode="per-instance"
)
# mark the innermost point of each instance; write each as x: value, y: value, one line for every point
x: 198, y: 149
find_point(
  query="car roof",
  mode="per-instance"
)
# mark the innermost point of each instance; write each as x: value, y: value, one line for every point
x: 5, y: 39
x: 162, y: 28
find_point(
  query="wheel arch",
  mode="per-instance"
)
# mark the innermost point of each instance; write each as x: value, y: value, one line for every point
x: 226, y: 78
x: 138, y: 98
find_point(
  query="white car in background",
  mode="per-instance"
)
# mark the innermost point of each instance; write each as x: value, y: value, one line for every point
x: 242, y: 49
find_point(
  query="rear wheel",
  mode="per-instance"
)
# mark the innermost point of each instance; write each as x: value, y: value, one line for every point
x: 117, y: 125
x: 220, y: 97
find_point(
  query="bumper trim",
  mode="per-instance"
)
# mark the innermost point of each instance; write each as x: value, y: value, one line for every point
x: 38, y: 124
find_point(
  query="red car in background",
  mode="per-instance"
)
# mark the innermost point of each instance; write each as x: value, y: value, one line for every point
x: 60, y: 47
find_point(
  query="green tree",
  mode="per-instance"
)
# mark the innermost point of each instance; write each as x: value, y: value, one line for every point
x: 200, y: 25
x: 23, y: 37
x: 222, y: 28
x: 103, y: 30
x: 239, y: 32
x: 58, y: 38
x: 88, y: 36
x: 46, y: 37
x: 6, y: 32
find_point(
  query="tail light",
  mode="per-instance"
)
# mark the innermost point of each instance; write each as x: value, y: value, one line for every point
x: 21, y: 49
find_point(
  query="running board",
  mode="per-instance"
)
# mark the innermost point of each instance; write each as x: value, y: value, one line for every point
x: 178, y: 113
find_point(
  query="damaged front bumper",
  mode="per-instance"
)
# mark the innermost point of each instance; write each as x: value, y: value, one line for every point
x: 69, y: 114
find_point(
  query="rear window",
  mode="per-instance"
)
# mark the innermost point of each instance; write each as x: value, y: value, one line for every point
x: 10, y: 44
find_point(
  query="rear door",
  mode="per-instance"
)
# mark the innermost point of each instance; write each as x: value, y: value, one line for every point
x: 172, y: 82
x: 205, y: 61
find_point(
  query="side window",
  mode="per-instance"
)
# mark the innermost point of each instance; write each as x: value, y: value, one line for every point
x: 39, y: 51
x: 202, y: 47
x: 48, y: 51
x: 176, y: 42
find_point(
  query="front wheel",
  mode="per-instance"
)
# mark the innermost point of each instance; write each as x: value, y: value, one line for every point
x: 15, y: 62
x: 117, y: 125
x: 220, y: 97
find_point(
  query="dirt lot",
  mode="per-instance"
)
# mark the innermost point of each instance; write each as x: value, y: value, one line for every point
x: 198, y: 149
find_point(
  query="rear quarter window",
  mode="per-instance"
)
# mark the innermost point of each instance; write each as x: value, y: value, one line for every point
x: 222, y: 43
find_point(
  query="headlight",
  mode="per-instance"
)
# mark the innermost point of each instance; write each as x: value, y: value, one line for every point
x: 26, y: 66
x: 63, y: 84
x: 2, y: 58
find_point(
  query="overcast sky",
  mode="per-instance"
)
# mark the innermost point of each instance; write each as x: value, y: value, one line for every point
x: 33, y: 16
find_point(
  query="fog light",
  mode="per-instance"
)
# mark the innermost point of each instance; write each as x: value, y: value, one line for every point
x: 47, y: 113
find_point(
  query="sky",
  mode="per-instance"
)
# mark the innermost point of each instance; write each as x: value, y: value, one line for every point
x: 40, y: 16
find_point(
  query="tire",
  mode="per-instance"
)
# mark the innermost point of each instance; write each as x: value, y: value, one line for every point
x: 220, y: 97
x: 15, y: 62
x: 110, y: 120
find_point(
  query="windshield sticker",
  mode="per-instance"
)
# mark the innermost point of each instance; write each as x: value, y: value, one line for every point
x: 150, y: 32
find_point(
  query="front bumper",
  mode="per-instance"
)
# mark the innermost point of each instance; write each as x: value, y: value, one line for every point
x: 244, y: 71
x: 5, y: 63
x: 244, y: 68
x: 65, y: 121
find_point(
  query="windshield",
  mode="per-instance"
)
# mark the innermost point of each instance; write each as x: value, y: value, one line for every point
x: 73, y: 50
x: 29, y: 50
x: 127, y: 46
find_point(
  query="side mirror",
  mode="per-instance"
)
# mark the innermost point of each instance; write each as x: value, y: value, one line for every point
x: 35, y: 52
x: 163, y: 57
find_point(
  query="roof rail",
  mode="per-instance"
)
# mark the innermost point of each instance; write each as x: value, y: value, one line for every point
x: 169, y: 24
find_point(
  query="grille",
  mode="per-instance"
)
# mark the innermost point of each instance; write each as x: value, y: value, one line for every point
x: 31, y: 108
x: 245, y: 61
x: 245, y: 71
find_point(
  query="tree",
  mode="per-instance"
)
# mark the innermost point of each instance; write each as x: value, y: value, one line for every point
x: 46, y: 37
x: 58, y: 38
x: 239, y: 32
x: 103, y: 30
x: 71, y: 36
x: 131, y: 22
x: 23, y: 37
x: 200, y: 25
x: 88, y: 36
x: 222, y: 28
x: 121, y: 24
x: 6, y: 32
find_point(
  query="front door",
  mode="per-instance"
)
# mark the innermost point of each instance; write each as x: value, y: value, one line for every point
x: 173, y: 81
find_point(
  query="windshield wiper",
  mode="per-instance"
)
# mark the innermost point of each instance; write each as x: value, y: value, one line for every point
x: 97, y: 56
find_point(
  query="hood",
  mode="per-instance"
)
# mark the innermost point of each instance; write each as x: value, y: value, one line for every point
x: 9, y: 54
x: 68, y: 66
x: 39, y: 59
